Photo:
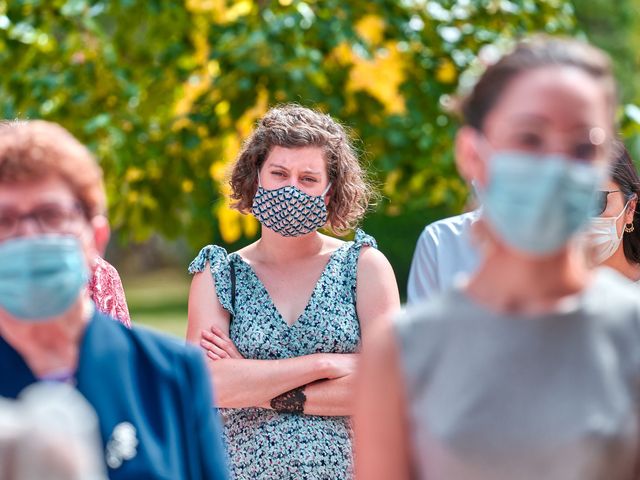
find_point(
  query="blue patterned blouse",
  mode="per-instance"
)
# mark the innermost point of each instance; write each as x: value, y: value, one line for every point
x: 261, y: 443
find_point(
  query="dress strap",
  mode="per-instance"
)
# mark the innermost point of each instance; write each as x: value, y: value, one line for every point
x: 360, y: 240
x: 219, y: 265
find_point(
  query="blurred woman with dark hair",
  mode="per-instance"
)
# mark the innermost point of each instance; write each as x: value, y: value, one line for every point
x: 530, y: 370
x: 614, y: 235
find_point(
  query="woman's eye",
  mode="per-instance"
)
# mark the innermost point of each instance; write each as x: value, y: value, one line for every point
x: 309, y: 179
x: 530, y: 140
x: 277, y: 174
x: 585, y: 151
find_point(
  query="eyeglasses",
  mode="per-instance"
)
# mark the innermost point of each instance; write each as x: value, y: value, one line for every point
x: 48, y: 218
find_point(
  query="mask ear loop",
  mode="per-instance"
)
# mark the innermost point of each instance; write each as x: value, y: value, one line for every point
x: 259, y: 182
x: 483, y: 148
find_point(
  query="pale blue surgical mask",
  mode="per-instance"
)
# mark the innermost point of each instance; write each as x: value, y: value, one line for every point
x: 41, y: 276
x: 536, y: 203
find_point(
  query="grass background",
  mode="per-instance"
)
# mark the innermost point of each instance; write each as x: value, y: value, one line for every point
x: 158, y: 299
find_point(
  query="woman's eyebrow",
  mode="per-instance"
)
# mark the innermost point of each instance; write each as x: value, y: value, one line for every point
x: 529, y: 118
x: 309, y: 170
x: 277, y: 165
x: 306, y: 170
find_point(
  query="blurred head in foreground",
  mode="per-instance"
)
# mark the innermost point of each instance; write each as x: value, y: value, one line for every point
x: 49, y: 432
x: 52, y: 226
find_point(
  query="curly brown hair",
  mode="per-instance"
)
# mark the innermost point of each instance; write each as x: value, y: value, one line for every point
x: 293, y: 126
x: 36, y: 150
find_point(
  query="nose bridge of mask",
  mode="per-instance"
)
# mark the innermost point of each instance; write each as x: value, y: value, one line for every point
x: 579, y: 171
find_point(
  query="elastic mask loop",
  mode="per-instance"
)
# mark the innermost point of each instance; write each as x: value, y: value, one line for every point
x: 259, y: 182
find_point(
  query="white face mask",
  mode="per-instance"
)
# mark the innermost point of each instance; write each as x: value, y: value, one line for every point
x: 602, y: 236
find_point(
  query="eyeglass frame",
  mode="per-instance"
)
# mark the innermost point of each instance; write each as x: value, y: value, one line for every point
x: 73, y: 214
x: 606, y: 196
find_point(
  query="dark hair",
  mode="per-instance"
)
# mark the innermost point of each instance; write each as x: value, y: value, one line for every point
x: 535, y: 52
x: 625, y: 175
x: 293, y: 126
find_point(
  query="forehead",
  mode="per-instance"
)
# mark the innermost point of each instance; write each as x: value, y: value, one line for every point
x: 304, y: 158
x: 24, y: 196
x: 564, y: 97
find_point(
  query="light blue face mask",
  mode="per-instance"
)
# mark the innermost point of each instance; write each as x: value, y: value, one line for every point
x: 41, y: 276
x: 536, y: 203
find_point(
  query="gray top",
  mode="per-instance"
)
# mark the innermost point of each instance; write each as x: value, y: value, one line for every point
x: 496, y: 396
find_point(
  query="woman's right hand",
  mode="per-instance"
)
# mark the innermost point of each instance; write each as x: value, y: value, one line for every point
x: 218, y: 345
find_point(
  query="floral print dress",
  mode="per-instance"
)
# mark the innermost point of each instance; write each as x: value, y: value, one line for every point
x: 262, y: 443
x: 105, y: 288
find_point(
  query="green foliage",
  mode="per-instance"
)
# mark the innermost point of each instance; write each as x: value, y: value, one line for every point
x: 164, y: 91
x: 613, y: 27
x: 110, y: 72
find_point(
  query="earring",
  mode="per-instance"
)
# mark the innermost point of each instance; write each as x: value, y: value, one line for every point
x: 629, y: 228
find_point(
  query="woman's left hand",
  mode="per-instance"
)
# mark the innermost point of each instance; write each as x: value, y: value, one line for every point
x: 218, y: 345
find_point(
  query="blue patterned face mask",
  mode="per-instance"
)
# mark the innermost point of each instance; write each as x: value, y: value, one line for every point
x: 289, y: 211
x: 41, y: 276
x: 536, y: 203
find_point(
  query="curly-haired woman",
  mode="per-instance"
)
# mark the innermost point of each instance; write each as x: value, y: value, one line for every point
x: 282, y: 319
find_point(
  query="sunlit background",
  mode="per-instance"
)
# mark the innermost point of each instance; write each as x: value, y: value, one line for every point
x: 164, y: 92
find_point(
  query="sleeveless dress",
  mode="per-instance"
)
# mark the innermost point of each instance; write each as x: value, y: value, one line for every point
x: 496, y: 396
x: 262, y: 443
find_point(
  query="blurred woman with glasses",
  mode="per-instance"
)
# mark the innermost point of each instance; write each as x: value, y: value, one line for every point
x: 104, y: 287
x: 151, y: 394
x: 613, y: 236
